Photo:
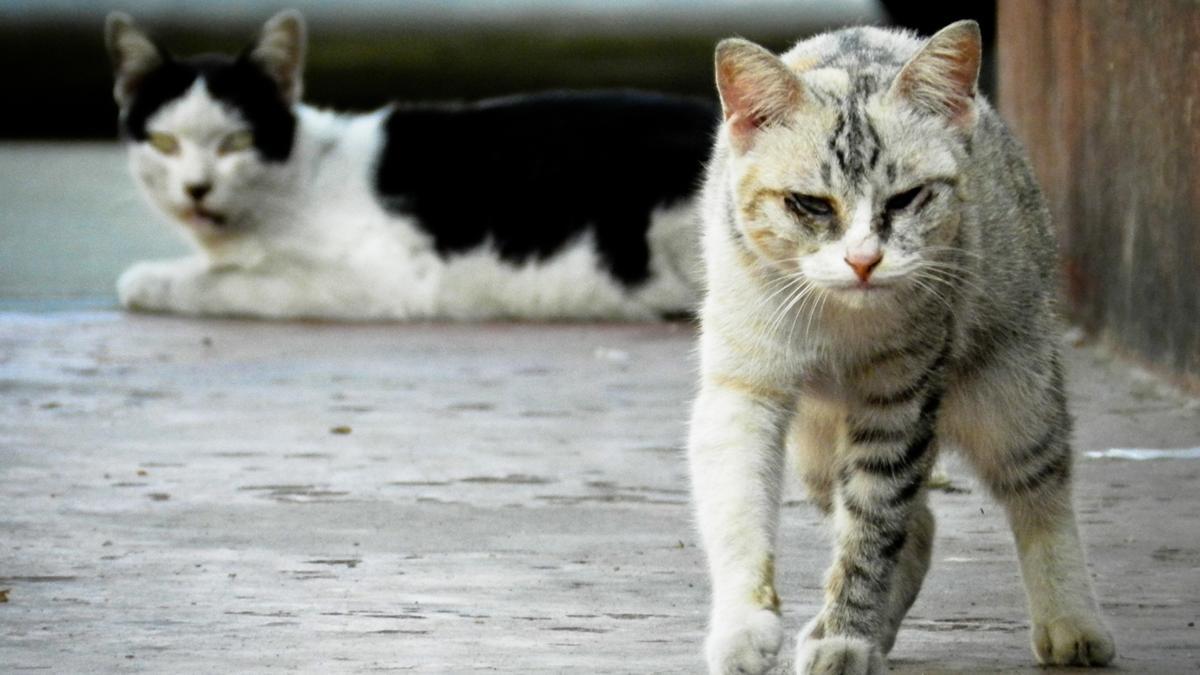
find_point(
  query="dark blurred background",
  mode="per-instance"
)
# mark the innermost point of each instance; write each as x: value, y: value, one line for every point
x: 364, y: 53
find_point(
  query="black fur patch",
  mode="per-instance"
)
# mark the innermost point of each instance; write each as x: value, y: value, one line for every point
x: 532, y: 173
x: 234, y: 81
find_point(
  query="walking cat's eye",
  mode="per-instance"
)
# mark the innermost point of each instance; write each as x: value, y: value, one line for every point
x: 808, y: 205
x: 901, y: 201
x: 164, y: 143
x: 236, y: 142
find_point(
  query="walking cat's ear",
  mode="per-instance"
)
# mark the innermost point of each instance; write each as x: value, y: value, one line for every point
x: 280, y: 52
x: 941, y: 78
x: 757, y: 90
x: 133, y: 55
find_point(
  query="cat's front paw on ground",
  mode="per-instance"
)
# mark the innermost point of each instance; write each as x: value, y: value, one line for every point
x: 1073, y: 641
x: 147, y: 287
x: 839, y: 655
x: 747, y: 644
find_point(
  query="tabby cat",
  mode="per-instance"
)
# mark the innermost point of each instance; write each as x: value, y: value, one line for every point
x: 880, y: 283
x: 553, y: 205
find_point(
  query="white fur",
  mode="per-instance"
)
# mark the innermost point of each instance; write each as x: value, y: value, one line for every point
x: 309, y: 238
x: 744, y: 643
x: 839, y: 656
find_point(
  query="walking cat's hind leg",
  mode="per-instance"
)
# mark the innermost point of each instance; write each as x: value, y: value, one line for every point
x: 1018, y: 443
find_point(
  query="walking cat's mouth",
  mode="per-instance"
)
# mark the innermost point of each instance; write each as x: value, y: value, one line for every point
x: 864, y: 294
x: 862, y: 286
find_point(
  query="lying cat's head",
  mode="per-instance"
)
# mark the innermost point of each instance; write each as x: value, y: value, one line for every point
x: 201, y: 130
x: 844, y: 155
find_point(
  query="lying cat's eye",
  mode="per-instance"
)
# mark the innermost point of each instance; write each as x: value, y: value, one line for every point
x: 808, y: 205
x: 901, y: 201
x: 238, y: 141
x: 164, y: 143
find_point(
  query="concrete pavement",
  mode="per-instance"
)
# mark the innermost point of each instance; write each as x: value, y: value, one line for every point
x: 202, y: 496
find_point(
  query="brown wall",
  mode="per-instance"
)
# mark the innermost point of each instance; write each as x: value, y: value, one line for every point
x: 1105, y: 94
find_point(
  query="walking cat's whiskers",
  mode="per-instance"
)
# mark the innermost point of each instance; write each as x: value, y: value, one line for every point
x: 929, y: 284
x: 816, y: 311
x: 800, y: 288
x: 951, y: 275
x: 806, y: 291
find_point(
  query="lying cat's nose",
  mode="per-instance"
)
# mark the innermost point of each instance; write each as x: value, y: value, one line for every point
x: 863, y: 262
x: 197, y: 190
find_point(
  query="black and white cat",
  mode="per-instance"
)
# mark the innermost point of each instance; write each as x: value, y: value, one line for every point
x: 558, y: 205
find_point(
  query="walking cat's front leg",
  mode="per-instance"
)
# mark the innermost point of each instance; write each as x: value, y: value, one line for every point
x: 736, y: 460
x: 883, y: 525
x: 1022, y: 453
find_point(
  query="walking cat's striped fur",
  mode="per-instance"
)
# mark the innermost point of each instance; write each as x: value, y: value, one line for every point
x: 880, y: 276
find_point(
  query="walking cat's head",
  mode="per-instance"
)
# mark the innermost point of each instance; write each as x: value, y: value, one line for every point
x: 201, y: 130
x: 844, y: 156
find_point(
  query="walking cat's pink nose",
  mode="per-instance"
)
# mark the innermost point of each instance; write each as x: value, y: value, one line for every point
x: 863, y: 262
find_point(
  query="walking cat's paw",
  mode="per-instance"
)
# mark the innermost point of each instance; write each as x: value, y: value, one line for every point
x: 838, y: 655
x: 1073, y: 641
x: 746, y: 645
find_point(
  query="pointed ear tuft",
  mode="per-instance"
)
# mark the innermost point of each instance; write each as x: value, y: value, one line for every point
x: 756, y: 88
x: 280, y: 52
x: 941, y: 78
x: 133, y: 55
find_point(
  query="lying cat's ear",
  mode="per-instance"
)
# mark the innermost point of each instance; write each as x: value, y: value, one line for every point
x: 941, y: 78
x: 133, y: 55
x: 280, y: 52
x: 757, y: 89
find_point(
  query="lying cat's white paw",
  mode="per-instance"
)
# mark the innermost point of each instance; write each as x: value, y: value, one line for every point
x: 745, y: 644
x: 1073, y: 641
x: 838, y: 655
x: 148, y: 286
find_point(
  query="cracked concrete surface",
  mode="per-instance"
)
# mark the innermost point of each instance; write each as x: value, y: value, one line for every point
x: 198, y: 496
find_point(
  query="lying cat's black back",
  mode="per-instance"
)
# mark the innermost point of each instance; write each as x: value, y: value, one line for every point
x: 532, y: 173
